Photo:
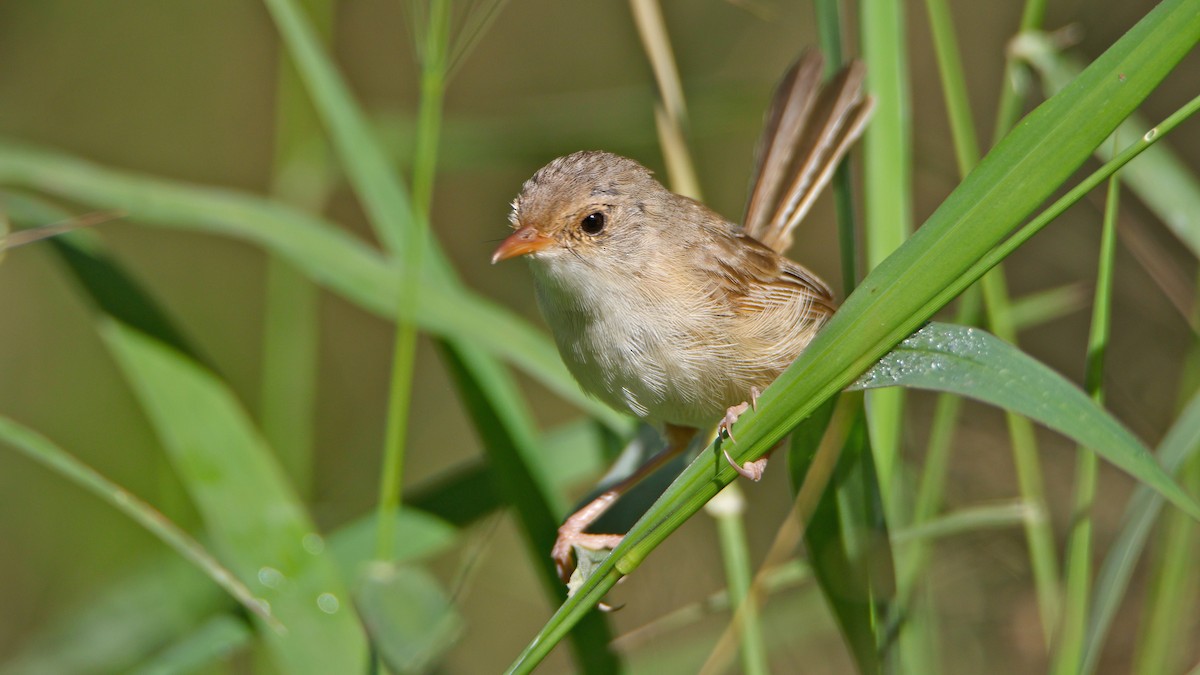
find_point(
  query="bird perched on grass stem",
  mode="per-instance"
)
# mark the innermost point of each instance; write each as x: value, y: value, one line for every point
x: 664, y: 309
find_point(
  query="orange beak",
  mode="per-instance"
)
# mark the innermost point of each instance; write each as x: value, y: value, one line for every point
x: 522, y: 242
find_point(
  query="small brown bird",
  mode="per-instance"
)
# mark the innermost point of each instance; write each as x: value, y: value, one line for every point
x: 661, y: 307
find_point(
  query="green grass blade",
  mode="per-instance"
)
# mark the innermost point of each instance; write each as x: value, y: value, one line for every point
x: 972, y: 363
x: 954, y: 85
x: 43, y: 451
x: 887, y: 192
x: 506, y: 430
x: 432, y: 54
x: 1043, y: 558
x: 1068, y: 655
x: 255, y: 521
x: 1015, y: 83
x: 316, y: 246
x: 301, y: 177
x: 1180, y: 445
x: 728, y: 508
x: 374, y: 178
x: 943, y: 257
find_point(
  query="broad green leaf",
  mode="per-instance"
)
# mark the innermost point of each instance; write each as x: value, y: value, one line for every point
x: 126, y: 622
x: 970, y: 362
x: 409, y: 617
x: 254, y: 520
x: 926, y: 272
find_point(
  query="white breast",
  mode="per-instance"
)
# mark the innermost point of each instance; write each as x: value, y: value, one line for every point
x: 633, y: 346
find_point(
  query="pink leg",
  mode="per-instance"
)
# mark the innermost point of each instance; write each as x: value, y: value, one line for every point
x: 572, y: 531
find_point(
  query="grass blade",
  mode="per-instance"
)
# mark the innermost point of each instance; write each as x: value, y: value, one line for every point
x: 316, y: 246
x: 728, y: 509
x: 1068, y: 655
x: 887, y: 194
x: 45, y: 452
x: 849, y: 550
x: 301, y: 177
x: 970, y: 362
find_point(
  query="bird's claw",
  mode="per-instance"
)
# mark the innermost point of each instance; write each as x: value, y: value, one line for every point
x: 752, y: 470
x: 725, y: 427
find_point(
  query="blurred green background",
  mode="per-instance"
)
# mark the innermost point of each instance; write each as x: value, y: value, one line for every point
x: 185, y: 90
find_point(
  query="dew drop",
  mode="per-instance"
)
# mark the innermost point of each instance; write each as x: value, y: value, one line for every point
x: 1150, y: 134
x: 270, y: 577
x: 328, y: 603
x: 313, y: 543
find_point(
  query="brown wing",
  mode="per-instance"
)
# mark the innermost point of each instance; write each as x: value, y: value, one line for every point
x: 809, y: 128
x: 777, y: 306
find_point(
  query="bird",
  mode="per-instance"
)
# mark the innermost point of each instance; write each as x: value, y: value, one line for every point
x: 664, y: 309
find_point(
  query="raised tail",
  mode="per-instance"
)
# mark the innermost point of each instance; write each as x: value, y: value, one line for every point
x: 810, y: 127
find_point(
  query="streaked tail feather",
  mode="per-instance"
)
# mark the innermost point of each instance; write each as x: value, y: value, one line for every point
x: 809, y: 128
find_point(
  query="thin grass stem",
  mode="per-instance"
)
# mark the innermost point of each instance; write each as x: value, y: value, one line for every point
x: 433, y: 80
x: 303, y: 179
x: 728, y: 509
x: 887, y: 187
x: 1069, y: 648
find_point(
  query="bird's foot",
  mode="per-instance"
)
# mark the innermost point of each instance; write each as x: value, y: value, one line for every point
x: 752, y: 470
x: 725, y: 427
x: 571, y: 535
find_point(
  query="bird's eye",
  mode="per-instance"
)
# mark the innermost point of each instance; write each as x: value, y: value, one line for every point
x: 592, y: 223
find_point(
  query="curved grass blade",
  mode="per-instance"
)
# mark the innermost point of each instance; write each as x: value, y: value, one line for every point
x: 254, y: 520
x: 1021, y: 172
x: 43, y: 451
x: 969, y: 362
x: 316, y: 246
x: 111, y: 289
